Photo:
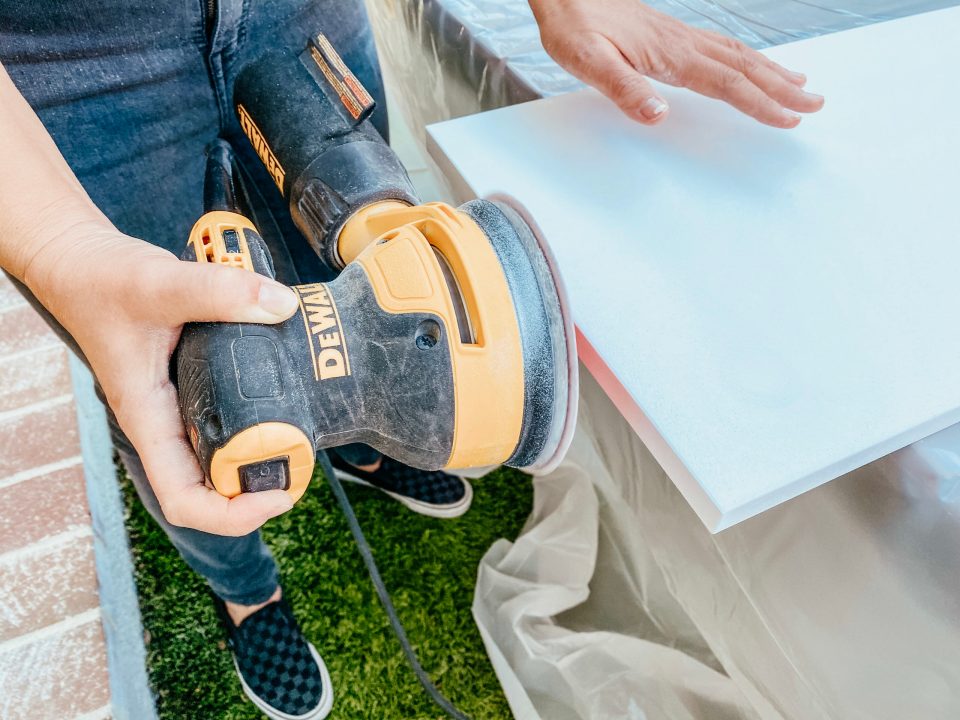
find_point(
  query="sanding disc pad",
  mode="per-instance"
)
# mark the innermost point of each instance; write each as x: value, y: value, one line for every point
x: 562, y: 336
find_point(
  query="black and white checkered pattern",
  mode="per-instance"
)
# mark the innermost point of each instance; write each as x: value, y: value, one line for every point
x: 432, y: 488
x: 279, y: 669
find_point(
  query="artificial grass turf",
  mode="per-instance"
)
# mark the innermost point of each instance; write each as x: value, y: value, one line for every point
x: 428, y: 565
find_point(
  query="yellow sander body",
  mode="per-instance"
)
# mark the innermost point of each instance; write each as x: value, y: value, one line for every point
x: 445, y: 341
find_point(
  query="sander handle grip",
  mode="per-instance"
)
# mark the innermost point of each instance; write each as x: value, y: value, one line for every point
x: 243, y: 412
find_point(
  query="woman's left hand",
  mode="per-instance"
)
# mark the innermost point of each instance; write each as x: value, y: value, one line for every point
x: 615, y: 45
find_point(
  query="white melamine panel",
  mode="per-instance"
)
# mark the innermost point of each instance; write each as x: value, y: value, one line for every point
x: 770, y: 309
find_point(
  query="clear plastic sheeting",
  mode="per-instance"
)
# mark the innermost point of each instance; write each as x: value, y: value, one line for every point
x: 615, y: 602
x: 447, y: 58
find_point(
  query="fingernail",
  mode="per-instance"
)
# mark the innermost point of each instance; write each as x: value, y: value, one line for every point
x: 280, y: 502
x: 277, y: 299
x: 790, y: 117
x: 798, y: 78
x: 813, y: 96
x: 653, y: 108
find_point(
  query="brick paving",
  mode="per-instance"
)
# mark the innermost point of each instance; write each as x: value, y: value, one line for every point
x: 53, y: 658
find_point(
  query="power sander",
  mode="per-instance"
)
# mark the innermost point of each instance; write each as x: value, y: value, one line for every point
x: 445, y: 342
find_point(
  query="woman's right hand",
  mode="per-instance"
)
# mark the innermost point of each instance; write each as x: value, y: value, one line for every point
x: 125, y: 301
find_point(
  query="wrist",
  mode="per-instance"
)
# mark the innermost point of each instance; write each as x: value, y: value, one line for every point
x: 27, y: 232
x: 545, y: 9
x: 57, y: 234
x: 540, y: 9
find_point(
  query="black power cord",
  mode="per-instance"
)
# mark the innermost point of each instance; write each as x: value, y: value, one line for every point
x: 364, y: 547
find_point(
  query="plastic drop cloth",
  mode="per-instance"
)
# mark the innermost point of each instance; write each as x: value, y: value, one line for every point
x: 615, y: 602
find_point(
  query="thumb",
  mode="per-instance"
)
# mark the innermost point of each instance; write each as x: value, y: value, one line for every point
x: 193, y: 292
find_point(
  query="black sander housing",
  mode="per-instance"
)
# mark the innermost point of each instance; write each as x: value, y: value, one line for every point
x: 443, y: 343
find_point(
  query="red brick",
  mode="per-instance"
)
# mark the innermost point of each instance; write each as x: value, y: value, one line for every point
x: 40, y: 437
x: 55, y: 677
x: 46, y: 505
x: 45, y: 585
x: 21, y: 329
x: 33, y: 376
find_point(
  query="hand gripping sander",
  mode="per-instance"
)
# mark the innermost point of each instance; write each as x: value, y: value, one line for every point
x: 445, y: 341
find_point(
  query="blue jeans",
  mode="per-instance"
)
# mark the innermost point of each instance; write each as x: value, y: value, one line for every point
x: 132, y: 92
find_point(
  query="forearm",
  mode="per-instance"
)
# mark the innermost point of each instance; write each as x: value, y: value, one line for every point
x: 40, y: 197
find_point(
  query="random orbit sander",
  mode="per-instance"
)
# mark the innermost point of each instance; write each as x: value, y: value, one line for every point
x: 445, y: 342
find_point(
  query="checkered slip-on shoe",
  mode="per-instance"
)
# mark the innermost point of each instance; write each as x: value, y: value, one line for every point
x: 436, y: 494
x: 279, y: 670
